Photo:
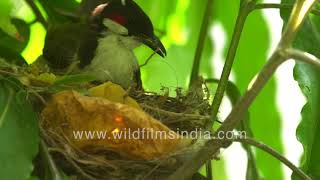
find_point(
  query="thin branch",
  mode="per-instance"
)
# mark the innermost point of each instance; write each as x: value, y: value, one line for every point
x: 174, y: 114
x: 301, y: 10
x: 278, y: 57
x: 298, y: 15
x: 275, y: 154
x: 222, y: 86
x: 37, y: 12
x: 36, y: 94
x: 201, y: 43
x: 52, y: 166
x: 209, y: 174
x: 303, y: 57
x: 280, y: 6
x: 211, y: 147
x: 261, y: 80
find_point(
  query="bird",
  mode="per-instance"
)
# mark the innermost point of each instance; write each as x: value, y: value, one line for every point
x: 102, y: 46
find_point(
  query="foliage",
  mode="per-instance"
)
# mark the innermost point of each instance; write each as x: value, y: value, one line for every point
x: 178, y: 22
x: 19, y: 134
x: 247, y: 64
x: 308, y: 77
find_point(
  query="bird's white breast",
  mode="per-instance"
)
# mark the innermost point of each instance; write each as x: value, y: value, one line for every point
x: 114, y: 59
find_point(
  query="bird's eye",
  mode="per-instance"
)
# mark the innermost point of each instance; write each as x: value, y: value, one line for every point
x: 118, y: 18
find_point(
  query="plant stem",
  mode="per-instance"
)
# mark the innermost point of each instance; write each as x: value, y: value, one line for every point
x: 52, y: 166
x: 211, y: 147
x: 303, y: 57
x: 197, y: 60
x: 299, y: 13
x: 241, y: 107
x: 297, y: 17
x: 201, y: 43
x: 37, y: 12
x: 280, y: 6
x: 275, y: 154
x: 209, y: 170
x: 242, y: 16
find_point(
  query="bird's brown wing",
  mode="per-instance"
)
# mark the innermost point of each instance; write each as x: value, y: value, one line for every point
x: 62, y: 44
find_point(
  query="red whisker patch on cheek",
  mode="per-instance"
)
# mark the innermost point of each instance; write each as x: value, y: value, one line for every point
x: 118, y: 18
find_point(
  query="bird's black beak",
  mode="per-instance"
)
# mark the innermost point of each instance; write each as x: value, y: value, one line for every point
x: 156, y: 45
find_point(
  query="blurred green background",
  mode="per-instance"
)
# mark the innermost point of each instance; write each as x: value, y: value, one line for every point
x: 178, y: 24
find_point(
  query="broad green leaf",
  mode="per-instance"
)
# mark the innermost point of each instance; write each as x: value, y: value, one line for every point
x: 12, y: 47
x: 59, y: 11
x: 250, y: 58
x: 35, y: 40
x: 23, y: 30
x: 308, y: 77
x: 74, y: 79
x: 19, y: 134
x: 68, y: 6
x: 6, y: 8
x: 33, y: 178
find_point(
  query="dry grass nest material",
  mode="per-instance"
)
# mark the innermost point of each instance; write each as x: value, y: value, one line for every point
x: 183, y: 112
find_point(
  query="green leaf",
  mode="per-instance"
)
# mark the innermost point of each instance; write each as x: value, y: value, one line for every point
x: 33, y: 178
x: 10, y: 47
x: 19, y: 134
x: 308, y: 77
x: 74, y: 79
x: 23, y: 29
x: 5, y: 12
x: 60, y: 11
x: 250, y: 58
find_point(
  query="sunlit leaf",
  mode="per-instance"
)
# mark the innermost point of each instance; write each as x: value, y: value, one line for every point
x: 308, y: 77
x: 75, y: 79
x: 6, y: 9
x: 36, y: 43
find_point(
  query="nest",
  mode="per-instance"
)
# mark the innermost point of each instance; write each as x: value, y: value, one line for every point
x: 181, y: 113
x: 184, y: 112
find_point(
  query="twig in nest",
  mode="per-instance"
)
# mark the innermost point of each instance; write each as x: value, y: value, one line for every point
x: 169, y: 113
x: 74, y: 164
x: 35, y: 93
x: 147, y: 61
x: 52, y: 166
x: 150, y: 172
x: 8, y: 73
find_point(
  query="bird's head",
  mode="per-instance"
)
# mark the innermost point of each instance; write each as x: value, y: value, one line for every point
x: 126, y: 18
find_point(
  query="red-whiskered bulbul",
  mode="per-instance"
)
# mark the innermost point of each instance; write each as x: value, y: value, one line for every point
x: 104, y: 45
